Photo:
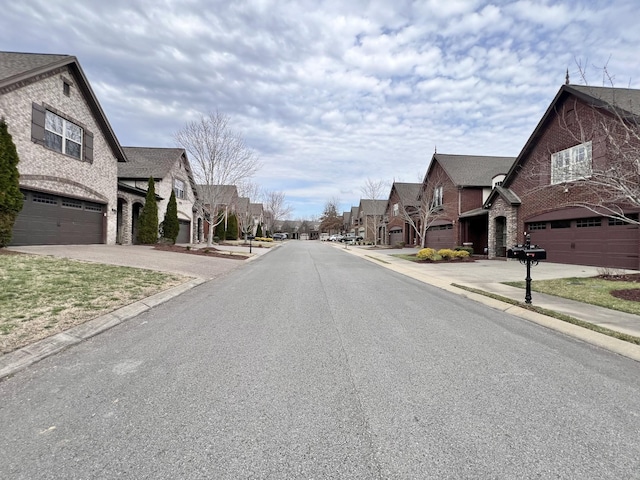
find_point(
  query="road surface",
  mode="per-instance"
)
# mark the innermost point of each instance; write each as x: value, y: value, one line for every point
x: 310, y: 363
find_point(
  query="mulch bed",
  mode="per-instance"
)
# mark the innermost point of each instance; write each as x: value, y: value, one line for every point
x: 631, y: 294
x: 203, y: 251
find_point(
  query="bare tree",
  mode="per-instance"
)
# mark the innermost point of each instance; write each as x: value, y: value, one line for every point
x: 375, y: 189
x: 603, y: 172
x: 219, y: 156
x: 421, y: 212
x: 276, y: 206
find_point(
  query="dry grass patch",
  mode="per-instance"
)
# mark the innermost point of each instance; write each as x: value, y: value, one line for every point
x: 593, y: 290
x: 42, y: 296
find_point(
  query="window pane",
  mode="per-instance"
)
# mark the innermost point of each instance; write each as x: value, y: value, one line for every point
x: 53, y: 141
x: 74, y: 132
x: 53, y: 122
x: 72, y: 148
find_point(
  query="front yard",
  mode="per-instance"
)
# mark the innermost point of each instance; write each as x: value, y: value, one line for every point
x: 622, y: 294
x: 42, y: 296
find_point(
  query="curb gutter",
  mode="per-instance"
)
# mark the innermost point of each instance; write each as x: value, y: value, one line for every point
x: 611, y: 344
x: 13, y: 362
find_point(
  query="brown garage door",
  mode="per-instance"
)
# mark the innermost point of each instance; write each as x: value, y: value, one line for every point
x: 440, y: 236
x: 54, y: 220
x: 184, y: 234
x: 597, y: 241
x: 396, y: 236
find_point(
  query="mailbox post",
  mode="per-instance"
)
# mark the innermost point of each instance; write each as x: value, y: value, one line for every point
x: 250, y: 237
x: 527, y: 254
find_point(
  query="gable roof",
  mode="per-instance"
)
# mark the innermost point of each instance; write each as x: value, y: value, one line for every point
x: 17, y: 69
x: 471, y: 170
x: 221, y: 194
x: 145, y: 162
x: 372, y: 207
x: 407, y: 192
x: 625, y: 99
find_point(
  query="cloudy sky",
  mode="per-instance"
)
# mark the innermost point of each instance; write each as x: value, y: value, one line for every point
x: 330, y: 93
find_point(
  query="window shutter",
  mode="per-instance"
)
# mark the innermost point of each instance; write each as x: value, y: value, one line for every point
x: 38, y: 113
x: 88, y: 147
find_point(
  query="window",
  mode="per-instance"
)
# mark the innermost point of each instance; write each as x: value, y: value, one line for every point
x: 437, y: 196
x: 178, y: 188
x: 588, y: 222
x: 66, y: 88
x: 571, y: 164
x: 70, y: 203
x: 396, y: 209
x: 44, y: 198
x: 622, y: 221
x: 538, y: 226
x: 62, y: 136
x: 93, y: 207
x: 561, y: 224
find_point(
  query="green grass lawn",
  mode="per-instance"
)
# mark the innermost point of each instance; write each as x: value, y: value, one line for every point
x: 44, y: 295
x: 595, y: 291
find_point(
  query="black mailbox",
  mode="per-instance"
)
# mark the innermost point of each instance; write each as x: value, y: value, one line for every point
x: 528, y: 255
x: 251, y: 237
x: 522, y: 252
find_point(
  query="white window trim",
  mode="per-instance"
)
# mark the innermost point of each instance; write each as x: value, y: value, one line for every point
x: 571, y: 164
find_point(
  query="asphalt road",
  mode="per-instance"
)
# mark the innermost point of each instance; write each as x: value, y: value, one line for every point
x: 311, y: 363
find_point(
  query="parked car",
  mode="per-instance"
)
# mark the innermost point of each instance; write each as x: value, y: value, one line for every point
x: 335, y: 238
x: 279, y: 236
x: 351, y: 238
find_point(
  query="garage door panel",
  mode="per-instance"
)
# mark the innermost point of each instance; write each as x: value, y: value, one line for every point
x: 54, y: 220
x: 184, y: 234
x: 438, y: 239
x: 613, y: 246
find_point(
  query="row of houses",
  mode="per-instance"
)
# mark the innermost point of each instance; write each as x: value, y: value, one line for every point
x: 574, y: 188
x: 80, y: 186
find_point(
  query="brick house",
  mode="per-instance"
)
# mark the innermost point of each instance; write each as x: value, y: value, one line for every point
x: 69, y: 154
x: 219, y: 198
x: 401, y: 214
x: 170, y: 170
x: 370, y: 220
x: 453, y: 191
x: 549, y: 188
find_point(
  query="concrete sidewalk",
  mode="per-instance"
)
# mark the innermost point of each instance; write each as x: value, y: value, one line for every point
x: 488, y: 275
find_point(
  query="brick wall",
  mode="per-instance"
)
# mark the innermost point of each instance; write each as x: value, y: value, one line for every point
x: 47, y: 170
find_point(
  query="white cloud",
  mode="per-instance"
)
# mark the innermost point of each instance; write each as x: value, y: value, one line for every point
x: 331, y: 92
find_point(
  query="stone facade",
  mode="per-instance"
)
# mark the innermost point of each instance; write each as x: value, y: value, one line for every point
x: 49, y: 171
x: 503, y: 228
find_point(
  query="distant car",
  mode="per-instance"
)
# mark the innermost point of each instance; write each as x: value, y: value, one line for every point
x: 351, y: 238
x: 279, y: 236
x: 335, y: 238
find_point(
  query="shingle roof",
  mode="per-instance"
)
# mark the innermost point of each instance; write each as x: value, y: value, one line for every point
x: 473, y: 170
x: 373, y: 207
x: 18, y: 67
x: 624, y: 98
x: 145, y: 162
x: 14, y: 65
x: 408, y: 193
x: 221, y: 194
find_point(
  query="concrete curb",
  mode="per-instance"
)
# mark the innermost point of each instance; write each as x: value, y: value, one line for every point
x: 611, y: 344
x: 13, y: 362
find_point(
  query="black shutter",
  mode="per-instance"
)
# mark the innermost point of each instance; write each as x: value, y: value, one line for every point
x: 38, y: 113
x: 88, y: 147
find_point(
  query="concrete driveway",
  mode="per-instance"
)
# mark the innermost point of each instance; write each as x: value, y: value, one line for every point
x: 144, y: 256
